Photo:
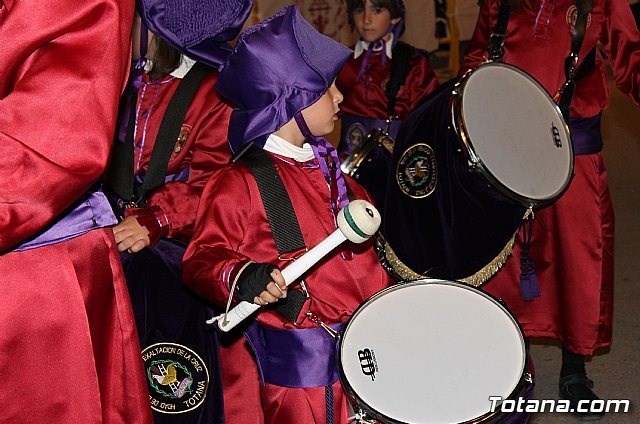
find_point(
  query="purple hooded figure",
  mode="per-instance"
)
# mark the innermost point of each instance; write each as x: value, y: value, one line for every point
x: 199, y: 29
x: 271, y: 89
x: 268, y: 89
x: 280, y: 78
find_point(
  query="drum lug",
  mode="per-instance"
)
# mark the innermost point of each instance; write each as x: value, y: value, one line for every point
x: 528, y: 377
x: 333, y: 333
x: 360, y: 417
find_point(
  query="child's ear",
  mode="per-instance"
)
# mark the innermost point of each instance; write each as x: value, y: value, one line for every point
x: 394, y: 21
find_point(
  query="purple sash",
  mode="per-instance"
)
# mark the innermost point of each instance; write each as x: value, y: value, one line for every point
x: 586, y: 136
x: 355, y: 129
x: 91, y: 212
x: 300, y: 358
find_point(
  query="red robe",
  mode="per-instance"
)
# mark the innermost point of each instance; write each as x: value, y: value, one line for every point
x: 572, y: 244
x: 70, y: 351
x: 365, y: 98
x: 232, y: 228
x: 201, y: 148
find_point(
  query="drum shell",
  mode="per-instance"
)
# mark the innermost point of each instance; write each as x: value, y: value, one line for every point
x: 168, y: 315
x: 464, y: 223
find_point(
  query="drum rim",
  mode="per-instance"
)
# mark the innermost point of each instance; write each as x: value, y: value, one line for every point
x: 359, y: 403
x: 351, y: 163
x: 474, y: 159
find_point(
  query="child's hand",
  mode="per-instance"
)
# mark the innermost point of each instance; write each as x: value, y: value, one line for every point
x: 131, y: 236
x: 261, y: 283
x: 276, y: 289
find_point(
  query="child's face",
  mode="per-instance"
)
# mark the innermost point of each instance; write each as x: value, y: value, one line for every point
x: 372, y: 22
x: 321, y: 116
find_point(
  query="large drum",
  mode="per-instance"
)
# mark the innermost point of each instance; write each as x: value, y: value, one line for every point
x: 468, y: 165
x: 433, y: 351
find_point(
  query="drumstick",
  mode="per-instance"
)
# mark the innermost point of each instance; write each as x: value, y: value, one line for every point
x: 357, y: 222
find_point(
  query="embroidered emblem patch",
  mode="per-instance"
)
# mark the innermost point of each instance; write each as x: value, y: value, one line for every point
x: 355, y: 135
x: 185, y: 130
x: 572, y: 15
x: 177, y: 378
x: 417, y: 172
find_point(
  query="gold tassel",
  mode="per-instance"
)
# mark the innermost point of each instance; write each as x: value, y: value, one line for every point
x: 393, y: 264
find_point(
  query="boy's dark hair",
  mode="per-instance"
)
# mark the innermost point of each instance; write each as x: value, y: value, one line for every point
x: 165, y: 58
x: 390, y: 5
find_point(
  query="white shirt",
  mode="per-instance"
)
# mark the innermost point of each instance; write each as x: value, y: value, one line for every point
x: 282, y: 147
x: 186, y: 64
x: 362, y: 46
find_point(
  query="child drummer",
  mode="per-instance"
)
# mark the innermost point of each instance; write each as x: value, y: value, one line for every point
x: 281, y: 77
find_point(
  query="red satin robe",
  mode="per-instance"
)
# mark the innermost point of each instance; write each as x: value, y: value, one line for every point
x: 201, y: 148
x: 572, y: 244
x: 366, y: 98
x: 232, y: 228
x: 68, y: 343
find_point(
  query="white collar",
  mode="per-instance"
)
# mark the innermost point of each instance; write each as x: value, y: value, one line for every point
x: 362, y: 46
x: 186, y: 63
x: 282, y: 147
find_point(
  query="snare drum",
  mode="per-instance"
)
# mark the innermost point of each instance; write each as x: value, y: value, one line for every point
x: 470, y: 163
x: 432, y: 351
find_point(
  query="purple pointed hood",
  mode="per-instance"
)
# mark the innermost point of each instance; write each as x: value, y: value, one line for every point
x: 278, y: 67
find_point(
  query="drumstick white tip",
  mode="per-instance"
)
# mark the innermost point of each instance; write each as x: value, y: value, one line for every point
x: 359, y: 220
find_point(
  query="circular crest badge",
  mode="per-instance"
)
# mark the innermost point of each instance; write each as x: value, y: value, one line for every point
x: 177, y: 378
x: 417, y: 172
x: 572, y: 16
x: 355, y: 136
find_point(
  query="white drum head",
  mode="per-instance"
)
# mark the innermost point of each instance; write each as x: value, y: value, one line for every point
x: 514, y: 132
x: 431, y: 351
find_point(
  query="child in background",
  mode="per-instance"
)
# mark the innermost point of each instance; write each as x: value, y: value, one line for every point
x: 170, y: 142
x: 366, y: 81
x: 382, y: 82
x: 285, y: 113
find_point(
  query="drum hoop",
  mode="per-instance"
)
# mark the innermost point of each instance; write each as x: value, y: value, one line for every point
x: 352, y: 163
x: 474, y: 160
x: 358, y: 402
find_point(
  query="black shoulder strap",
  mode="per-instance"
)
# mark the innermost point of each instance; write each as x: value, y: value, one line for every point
x: 120, y: 174
x: 281, y: 216
x: 587, y: 65
x: 496, y: 42
x: 583, y: 7
x: 171, y: 125
x: 121, y: 179
x: 402, y: 55
x: 277, y: 204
